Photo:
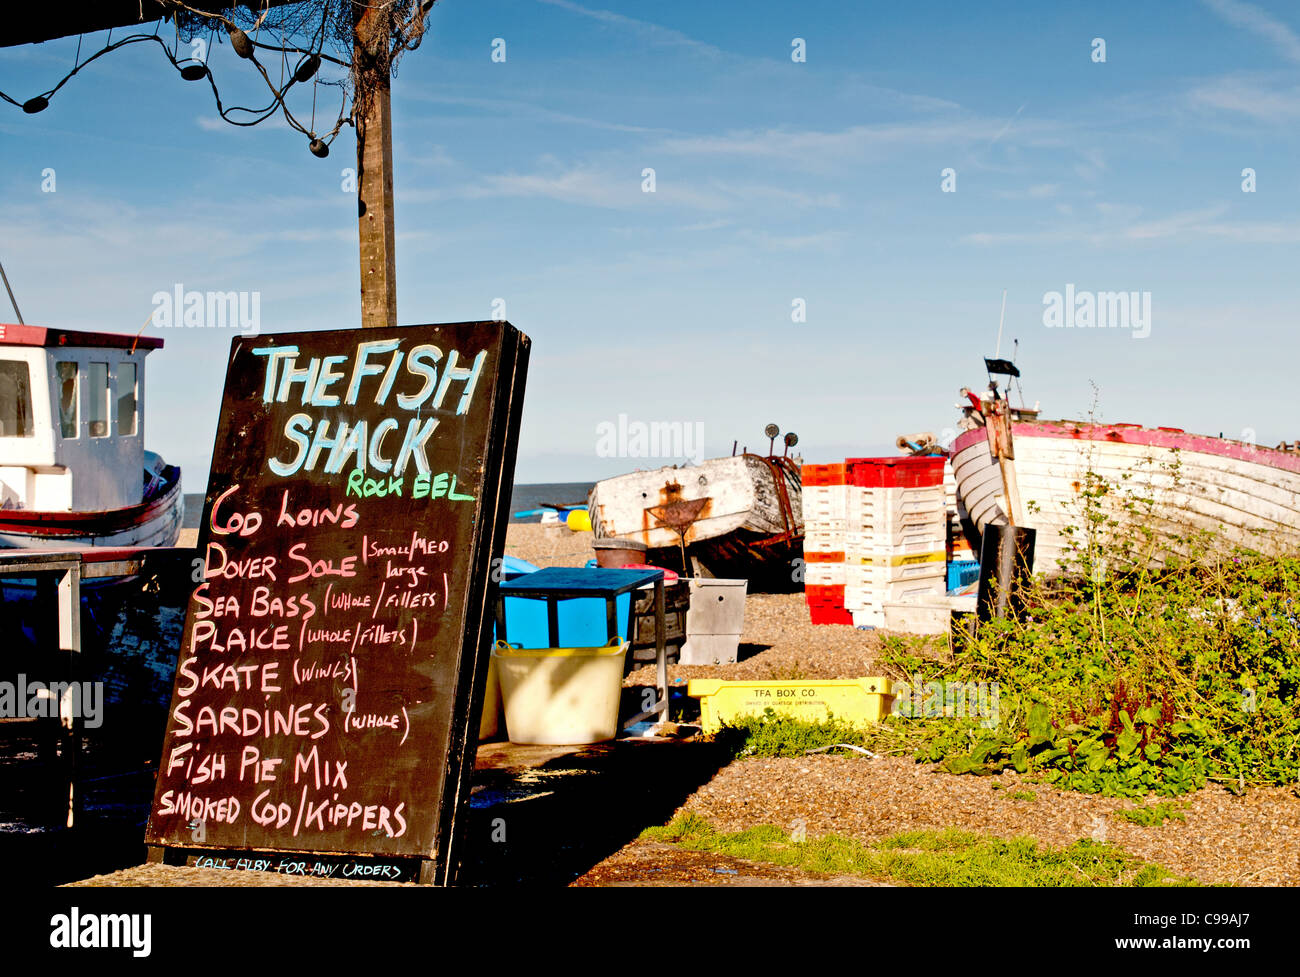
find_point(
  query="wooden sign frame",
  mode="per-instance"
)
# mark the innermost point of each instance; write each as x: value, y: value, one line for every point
x: 389, y: 807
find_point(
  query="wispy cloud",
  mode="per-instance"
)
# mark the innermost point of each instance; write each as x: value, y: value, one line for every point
x: 613, y: 187
x: 818, y: 146
x: 819, y: 241
x: 1007, y: 128
x: 1176, y: 225
x: 1185, y: 225
x: 1037, y: 191
x: 1091, y: 165
x: 214, y: 123
x: 577, y: 185
x: 1259, y: 21
x: 1248, y: 98
x: 435, y: 155
x: 516, y: 108
x: 644, y: 29
x: 864, y: 93
x: 711, y: 225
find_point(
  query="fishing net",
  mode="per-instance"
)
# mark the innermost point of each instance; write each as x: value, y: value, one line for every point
x: 323, y: 27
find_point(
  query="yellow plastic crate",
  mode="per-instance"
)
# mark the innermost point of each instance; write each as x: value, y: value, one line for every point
x: 854, y: 700
x: 897, y: 559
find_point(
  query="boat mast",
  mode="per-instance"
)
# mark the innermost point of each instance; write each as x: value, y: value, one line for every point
x: 998, y: 425
x: 12, y: 301
x: 997, y: 354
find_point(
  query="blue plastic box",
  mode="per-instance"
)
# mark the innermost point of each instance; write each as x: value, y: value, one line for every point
x: 581, y: 619
x: 961, y: 573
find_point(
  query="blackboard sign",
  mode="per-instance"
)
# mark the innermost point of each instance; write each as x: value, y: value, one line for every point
x: 335, y: 650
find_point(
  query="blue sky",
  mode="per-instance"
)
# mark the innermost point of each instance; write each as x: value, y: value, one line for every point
x: 775, y: 181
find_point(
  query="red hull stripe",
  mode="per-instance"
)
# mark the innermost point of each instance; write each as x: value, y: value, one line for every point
x: 1152, y: 437
x: 55, y: 524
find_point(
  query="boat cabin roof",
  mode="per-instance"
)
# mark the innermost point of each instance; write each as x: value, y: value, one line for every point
x: 12, y: 334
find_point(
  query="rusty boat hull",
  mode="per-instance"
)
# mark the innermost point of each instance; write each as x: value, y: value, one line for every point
x: 739, y: 517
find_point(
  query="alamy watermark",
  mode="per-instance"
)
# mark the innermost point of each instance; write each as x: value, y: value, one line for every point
x: 1098, y: 310
x: 42, y: 700
x: 75, y: 930
x: 652, y: 439
x: 207, y: 310
x: 919, y: 699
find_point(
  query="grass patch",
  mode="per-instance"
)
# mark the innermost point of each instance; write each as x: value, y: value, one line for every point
x: 1153, y: 816
x: 1023, y: 795
x: 775, y: 734
x: 925, y: 858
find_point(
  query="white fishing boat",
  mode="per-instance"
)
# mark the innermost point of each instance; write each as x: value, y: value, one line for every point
x: 740, y: 516
x: 1182, y: 486
x: 74, y: 471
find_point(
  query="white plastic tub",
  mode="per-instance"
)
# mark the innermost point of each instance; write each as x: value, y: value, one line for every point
x: 561, y: 696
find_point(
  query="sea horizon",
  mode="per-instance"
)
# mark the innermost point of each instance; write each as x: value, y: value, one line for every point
x: 523, y: 497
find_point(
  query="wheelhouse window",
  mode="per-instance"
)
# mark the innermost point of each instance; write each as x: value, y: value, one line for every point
x: 15, y: 400
x: 68, y: 413
x: 126, y: 399
x: 97, y: 408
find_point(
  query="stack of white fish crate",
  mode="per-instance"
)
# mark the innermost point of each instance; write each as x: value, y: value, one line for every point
x: 896, y: 534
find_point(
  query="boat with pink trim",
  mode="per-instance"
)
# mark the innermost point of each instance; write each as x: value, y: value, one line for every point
x: 74, y: 471
x: 1039, y: 473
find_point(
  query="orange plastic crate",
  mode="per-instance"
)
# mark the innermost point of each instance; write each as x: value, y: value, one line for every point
x: 902, y: 472
x: 825, y: 474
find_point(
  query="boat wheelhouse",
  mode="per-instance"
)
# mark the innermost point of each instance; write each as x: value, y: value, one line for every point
x: 73, y: 467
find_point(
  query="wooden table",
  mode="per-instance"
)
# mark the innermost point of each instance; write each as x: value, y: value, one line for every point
x: 554, y: 584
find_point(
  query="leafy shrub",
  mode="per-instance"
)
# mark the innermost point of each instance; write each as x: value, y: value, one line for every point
x: 1160, y: 662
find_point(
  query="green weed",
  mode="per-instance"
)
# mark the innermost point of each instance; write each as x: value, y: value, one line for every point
x: 1153, y: 816
x: 775, y: 734
x: 926, y: 858
x: 1160, y: 662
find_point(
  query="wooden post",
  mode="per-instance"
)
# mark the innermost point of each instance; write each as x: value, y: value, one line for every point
x: 1012, y: 490
x: 374, y: 128
x: 69, y: 590
x: 998, y: 430
x: 661, y: 652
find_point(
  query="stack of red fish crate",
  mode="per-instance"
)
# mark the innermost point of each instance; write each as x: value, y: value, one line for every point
x: 825, y: 524
x: 875, y: 531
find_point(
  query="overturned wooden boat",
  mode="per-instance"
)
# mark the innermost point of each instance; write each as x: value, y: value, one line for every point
x: 739, y: 517
x: 74, y: 471
x: 1188, y: 490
